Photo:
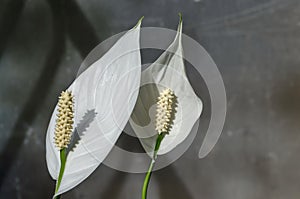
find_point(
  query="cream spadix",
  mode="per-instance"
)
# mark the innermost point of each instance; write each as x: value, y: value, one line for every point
x: 64, y: 121
x: 165, y: 111
x: 167, y: 71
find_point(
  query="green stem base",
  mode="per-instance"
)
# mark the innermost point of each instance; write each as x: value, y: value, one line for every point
x: 63, y: 159
x: 160, y: 137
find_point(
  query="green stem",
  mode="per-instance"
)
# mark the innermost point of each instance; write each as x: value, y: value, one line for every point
x: 149, y: 172
x: 146, y: 181
x: 63, y: 159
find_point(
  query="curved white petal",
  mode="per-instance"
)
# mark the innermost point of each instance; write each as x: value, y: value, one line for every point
x: 166, y: 72
x: 105, y: 95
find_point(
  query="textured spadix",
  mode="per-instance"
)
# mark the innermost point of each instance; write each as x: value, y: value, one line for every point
x: 105, y: 96
x: 166, y: 72
x: 64, y: 121
x: 165, y: 111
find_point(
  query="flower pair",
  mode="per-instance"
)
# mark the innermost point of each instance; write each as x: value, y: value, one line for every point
x: 105, y: 99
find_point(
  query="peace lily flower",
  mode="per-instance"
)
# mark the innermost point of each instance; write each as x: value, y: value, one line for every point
x: 104, y: 93
x: 165, y: 82
x: 167, y: 72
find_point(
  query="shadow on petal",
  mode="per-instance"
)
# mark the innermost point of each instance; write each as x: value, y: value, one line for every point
x: 81, y: 128
x: 174, y: 110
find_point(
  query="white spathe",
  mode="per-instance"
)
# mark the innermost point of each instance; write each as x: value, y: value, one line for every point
x: 166, y: 72
x: 107, y: 88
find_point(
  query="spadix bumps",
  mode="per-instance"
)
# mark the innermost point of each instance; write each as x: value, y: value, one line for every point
x: 165, y: 109
x: 64, y: 122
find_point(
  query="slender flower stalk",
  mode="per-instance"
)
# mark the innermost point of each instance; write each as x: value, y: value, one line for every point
x: 63, y: 130
x: 164, y: 120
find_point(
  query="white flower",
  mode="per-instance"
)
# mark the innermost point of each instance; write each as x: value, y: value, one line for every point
x: 107, y: 89
x: 166, y: 72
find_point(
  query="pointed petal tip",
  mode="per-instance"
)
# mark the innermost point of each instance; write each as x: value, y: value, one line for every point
x: 180, y: 17
x: 180, y: 22
x: 139, y: 22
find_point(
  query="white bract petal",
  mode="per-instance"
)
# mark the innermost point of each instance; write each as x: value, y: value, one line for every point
x: 104, y: 95
x: 166, y: 72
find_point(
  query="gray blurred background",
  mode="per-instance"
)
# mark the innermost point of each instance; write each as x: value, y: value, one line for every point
x: 256, y: 45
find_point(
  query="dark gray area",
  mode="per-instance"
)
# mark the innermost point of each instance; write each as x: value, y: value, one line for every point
x: 256, y: 45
